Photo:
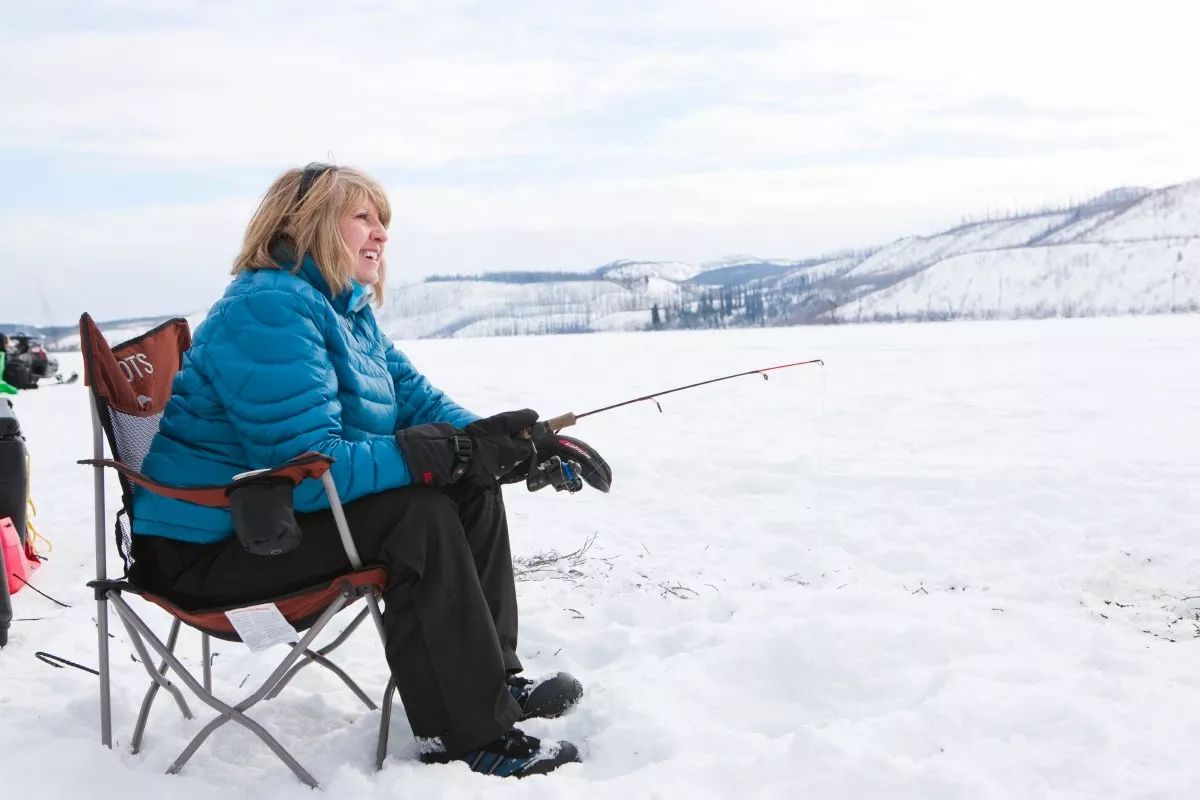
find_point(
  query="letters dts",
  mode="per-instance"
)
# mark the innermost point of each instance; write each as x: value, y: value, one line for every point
x: 136, y: 366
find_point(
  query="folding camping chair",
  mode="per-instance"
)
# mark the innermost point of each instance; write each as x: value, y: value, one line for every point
x: 130, y: 385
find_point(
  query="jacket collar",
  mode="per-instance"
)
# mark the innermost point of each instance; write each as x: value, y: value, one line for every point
x: 351, y: 301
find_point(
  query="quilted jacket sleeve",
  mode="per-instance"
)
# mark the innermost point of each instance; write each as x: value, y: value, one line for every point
x: 272, y: 372
x: 417, y: 400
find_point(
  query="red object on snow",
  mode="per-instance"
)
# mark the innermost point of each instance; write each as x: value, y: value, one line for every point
x: 19, y: 560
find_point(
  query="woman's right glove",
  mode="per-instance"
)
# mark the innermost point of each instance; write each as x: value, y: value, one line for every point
x: 501, y: 443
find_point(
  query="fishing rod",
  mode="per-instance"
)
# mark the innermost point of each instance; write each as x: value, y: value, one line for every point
x: 567, y: 473
x: 555, y: 424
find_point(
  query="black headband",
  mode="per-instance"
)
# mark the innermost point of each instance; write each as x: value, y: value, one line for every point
x: 309, y: 177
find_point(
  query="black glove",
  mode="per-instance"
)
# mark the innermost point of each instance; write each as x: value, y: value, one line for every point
x: 437, y: 453
x: 498, y: 445
x: 594, y: 470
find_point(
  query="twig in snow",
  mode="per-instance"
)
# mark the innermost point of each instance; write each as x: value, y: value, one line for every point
x: 677, y: 589
x: 553, y: 565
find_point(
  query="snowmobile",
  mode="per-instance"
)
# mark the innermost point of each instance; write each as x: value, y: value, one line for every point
x: 26, y: 361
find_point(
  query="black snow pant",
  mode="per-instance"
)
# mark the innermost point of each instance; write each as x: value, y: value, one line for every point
x: 450, y: 606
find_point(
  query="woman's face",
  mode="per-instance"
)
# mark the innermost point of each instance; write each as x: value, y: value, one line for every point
x: 364, y: 236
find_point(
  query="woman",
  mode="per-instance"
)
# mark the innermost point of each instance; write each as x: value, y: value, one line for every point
x: 291, y: 360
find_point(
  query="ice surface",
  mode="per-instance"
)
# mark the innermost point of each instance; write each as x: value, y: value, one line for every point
x: 959, y: 561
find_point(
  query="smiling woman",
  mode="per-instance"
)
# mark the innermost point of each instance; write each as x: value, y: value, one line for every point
x: 291, y: 360
x: 294, y: 220
x: 364, y: 235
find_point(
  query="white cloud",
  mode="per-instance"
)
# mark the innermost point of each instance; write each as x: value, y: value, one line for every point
x: 628, y: 128
x: 155, y: 259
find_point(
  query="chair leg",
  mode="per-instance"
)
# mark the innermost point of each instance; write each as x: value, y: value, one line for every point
x: 377, y: 617
x: 385, y: 724
x: 315, y: 657
x: 228, y: 712
x: 102, y: 652
x: 389, y: 694
x: 128, y: 617
x: 135, y: 744
x: 319, y: 657
x: 101, y: 535
x: 207, y: 656
x: 339, y: 517
x: 140, y: 635
x: 236, y: 714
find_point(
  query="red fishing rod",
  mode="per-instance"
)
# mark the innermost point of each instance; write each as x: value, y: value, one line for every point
x: 556, y: 424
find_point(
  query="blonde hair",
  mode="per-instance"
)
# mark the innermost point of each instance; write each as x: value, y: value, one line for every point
x: 294, y: 220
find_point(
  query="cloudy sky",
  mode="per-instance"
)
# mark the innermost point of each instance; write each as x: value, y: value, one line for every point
x: 137, y: 135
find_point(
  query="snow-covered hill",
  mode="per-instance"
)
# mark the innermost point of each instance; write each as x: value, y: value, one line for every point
x: 676, y: 271
x: 1122, y: 278
x: 1127, y: 251
x: 489, y: 308
x: 1138, y: 254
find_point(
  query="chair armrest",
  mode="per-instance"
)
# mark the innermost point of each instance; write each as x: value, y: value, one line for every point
x: 307, y: 465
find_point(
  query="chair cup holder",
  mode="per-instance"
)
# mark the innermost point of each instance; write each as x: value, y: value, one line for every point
x: 263, y: 519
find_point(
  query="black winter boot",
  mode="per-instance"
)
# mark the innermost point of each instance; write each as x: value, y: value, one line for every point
x: 547, y: 697
x: 512, y: 755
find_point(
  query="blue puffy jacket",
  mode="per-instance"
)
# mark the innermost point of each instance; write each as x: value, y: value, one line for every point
x: 278, y: 368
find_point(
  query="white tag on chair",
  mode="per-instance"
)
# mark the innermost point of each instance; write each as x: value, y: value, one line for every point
x: 261, y: 626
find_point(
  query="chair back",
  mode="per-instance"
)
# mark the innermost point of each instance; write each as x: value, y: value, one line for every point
x: 130, y: 386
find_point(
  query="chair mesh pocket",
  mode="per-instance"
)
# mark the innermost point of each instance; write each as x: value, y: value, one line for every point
x: 132, y: 436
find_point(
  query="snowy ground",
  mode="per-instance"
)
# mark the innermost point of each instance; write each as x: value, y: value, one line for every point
x: 959, y: 561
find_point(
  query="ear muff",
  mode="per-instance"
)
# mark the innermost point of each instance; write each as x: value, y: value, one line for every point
x: 595, y: 470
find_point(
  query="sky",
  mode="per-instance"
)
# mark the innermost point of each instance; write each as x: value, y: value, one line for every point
x: 136, y: 136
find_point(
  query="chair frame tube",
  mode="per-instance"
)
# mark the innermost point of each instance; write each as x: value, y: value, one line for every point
x: 135, y: 743
x: 101, y: 574
x: 319, y: 657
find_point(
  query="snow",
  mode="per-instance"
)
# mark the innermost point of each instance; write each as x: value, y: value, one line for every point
x: 958, y: 561
x: 1131, y: 260
x: 1174, y: 211
x: 917, y: 251
x: 743, y: 258
x: 824, y: 269
x: 1085, y: 279
x: 1080, y: 230
x: 623, y: 321
x: 487, y: 308
x: 676, y: 271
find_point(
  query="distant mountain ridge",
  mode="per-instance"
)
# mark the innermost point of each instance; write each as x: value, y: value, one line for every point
x: 1129, y: 250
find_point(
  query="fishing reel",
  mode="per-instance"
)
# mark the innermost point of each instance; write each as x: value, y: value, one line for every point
x: 554, y: 471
